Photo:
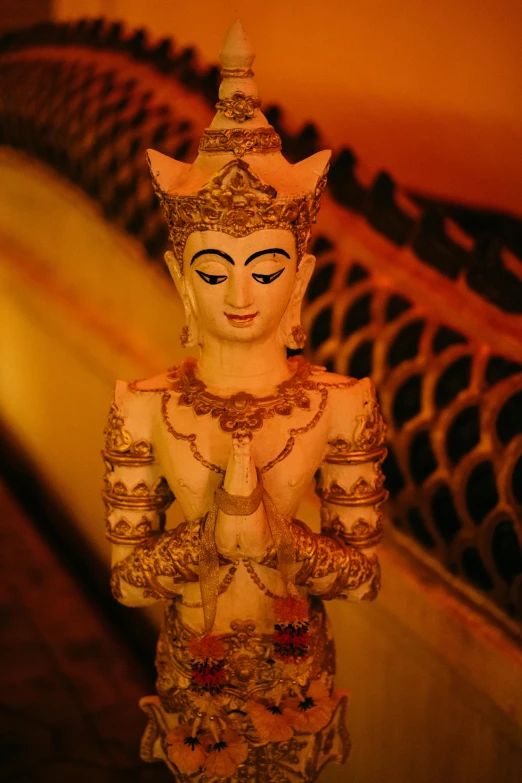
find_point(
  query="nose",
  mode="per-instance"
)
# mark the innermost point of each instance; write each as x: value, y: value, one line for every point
x: 239, y: 294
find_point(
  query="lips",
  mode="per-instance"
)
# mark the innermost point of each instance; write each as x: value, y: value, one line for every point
x: 241, y: 320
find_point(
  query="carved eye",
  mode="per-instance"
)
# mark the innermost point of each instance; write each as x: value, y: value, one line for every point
x: 211, y: 279
x: 265, y: 279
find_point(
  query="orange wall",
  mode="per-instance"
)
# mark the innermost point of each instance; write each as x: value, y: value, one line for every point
x: 430, y: 91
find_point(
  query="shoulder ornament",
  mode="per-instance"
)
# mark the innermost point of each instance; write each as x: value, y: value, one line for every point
x: 120, y: 449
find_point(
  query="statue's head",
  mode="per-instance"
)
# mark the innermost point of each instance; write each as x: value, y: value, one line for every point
x: 240, y: 217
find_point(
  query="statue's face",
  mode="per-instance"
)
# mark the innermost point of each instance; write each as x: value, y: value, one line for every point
x: 240, y: 287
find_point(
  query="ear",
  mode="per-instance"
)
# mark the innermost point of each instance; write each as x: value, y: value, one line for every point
x: 180, y: 281
x: 176, y: 273
x: 290, y: 330
x: 302, y: 278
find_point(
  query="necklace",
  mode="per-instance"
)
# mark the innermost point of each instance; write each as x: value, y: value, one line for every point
x: 190, y: 439
x: 258, y: 581
x: 241, y: 412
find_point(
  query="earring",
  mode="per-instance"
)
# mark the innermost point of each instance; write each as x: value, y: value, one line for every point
x: 293, y: 337
x: 184, y: 336
x: 298, y: 337
x: 189, y: 336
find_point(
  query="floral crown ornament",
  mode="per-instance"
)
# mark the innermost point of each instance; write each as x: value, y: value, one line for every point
x: 237, y: 202
x: 240, y: 182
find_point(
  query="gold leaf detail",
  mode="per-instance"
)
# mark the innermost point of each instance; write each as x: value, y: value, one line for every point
x: 158, y: 497
x: 361, y: 488
x: 120, y: 449
x: 124, y: 532
x: 237, y: 202
x: 239, y: 107
x: 122, y: 528
x: 119, y: 488
x: 370, y: 430
x: 240, y: 141
x: 117, y: 438
x: 361, y: 493
x: 242, y: 412
x: 141, y: 489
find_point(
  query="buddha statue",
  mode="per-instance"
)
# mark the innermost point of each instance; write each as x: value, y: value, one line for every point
x: 245, y: 657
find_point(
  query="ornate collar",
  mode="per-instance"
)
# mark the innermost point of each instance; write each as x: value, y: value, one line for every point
x: 241, y: 412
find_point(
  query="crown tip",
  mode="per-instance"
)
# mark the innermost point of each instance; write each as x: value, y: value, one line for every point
x: 236, y: 50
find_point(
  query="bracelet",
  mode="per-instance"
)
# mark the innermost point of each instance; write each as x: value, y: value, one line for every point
x: 238, y: 506
x: 362, y: 542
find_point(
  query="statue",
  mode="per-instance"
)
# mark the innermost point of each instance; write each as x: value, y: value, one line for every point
x: 245, y: 658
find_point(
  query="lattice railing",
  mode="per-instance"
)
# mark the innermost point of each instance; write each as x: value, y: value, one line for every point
x: 454, y: 413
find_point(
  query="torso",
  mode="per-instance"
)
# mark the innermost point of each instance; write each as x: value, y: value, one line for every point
x: 287, y: 451
x: 286, y: 481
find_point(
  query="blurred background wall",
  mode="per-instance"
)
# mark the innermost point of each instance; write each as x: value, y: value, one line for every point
x: 429, y: 91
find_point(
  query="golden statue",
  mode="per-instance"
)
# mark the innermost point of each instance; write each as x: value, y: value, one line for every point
x: 245, y: 659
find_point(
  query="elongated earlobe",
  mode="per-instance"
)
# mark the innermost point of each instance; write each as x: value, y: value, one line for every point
x: 291, y: 332
x: 190, y: 333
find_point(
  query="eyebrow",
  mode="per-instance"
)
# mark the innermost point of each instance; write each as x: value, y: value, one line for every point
x: 212, y: 252
x: 265, y: 252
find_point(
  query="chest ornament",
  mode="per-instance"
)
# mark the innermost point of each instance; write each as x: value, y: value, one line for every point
x: 242, y: 412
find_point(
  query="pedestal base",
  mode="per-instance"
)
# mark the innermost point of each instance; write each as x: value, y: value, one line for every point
x: 299, y: 760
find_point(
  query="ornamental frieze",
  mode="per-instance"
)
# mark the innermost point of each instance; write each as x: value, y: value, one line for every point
x: 123, y: 532
x: 141, y: 495
x: 241, y: 141
x: 361, y: 493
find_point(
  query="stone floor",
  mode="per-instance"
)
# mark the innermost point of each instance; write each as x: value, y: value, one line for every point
x: 68, y: 685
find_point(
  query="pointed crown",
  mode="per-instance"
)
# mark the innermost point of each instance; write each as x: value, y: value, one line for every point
x: 240, y: 182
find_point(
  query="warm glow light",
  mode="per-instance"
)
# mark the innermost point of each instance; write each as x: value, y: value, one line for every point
x: 429, y: 91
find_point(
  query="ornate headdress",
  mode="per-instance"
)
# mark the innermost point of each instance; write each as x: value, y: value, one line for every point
x: 240, y: 182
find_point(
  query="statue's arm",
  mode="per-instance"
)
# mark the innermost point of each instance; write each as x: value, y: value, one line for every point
x: 147, y: 563
x: 341, y: 561
x: 351, y: 490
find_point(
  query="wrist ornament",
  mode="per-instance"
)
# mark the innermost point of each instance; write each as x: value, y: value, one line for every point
x: 236, y: 505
